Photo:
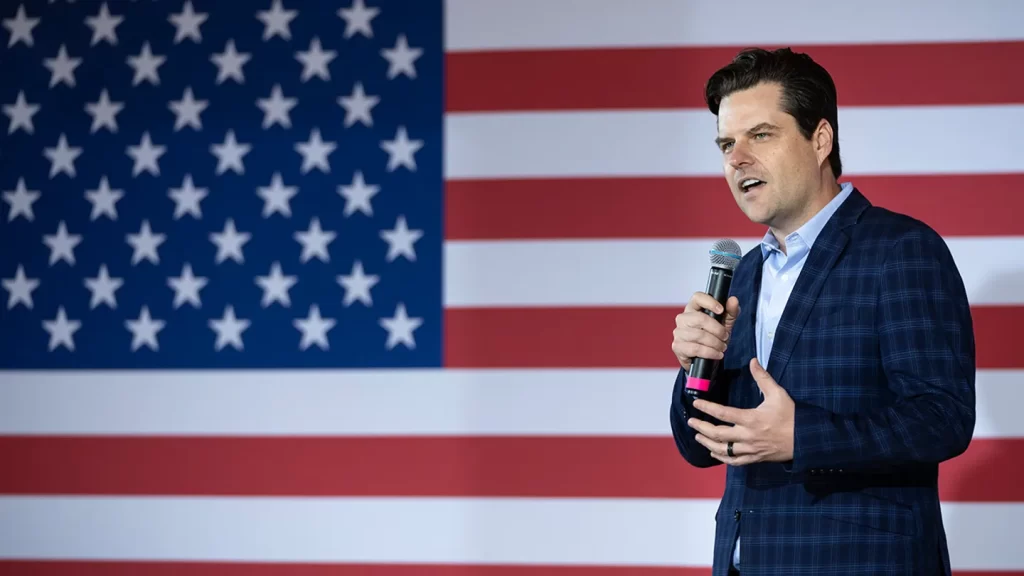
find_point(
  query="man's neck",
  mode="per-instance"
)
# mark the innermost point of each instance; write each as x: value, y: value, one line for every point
x: 818, y: 202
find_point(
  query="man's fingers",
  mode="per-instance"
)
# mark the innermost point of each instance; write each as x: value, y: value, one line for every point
x: 703, y: 301
x: 716, y: 448
x: 705, y: 323
x: 718, y: 433
x: 723, y: 413
x: 737, y: 461
x: 694, y: 350
x: 693, y: 337
x: 742, y: 453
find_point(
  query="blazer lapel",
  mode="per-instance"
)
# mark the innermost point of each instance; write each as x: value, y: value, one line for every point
x: 826, y: 250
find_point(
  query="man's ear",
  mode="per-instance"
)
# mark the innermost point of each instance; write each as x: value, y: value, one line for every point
x: 823, y: 138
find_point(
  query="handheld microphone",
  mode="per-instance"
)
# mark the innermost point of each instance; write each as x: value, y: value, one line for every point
x: 725, y: 256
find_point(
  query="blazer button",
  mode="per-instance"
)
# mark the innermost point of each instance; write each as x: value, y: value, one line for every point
x: 736, y: 514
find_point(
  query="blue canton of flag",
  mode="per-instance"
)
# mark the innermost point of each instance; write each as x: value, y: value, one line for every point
x: 220, y: 184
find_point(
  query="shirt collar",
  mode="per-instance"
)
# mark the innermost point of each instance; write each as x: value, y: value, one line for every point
x: 809, y: 232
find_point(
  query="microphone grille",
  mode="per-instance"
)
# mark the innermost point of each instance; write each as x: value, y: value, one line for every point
x: 725, y: 253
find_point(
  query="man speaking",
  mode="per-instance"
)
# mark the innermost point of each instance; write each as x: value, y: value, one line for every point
x: 845, y: 355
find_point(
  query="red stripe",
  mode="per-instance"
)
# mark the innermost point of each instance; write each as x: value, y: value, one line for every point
x: 703, y: 206
x: 86, y: 568
x: 105, y: 568
x: 637, y: 337
x: 865, y: 75
x: 557, y: 466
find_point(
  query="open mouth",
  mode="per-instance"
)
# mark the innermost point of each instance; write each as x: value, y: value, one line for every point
x: 750, y: 184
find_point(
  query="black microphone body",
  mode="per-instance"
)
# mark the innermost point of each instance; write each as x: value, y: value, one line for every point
x: 725, y: 255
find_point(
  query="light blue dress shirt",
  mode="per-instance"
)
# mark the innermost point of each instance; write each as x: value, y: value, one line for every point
x: 778, y: 276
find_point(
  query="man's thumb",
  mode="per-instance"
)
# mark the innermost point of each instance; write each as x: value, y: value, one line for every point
x: 732, y: 311
x: 764, y: 380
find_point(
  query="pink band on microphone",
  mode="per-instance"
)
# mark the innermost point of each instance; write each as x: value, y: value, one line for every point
x: 698, y: 383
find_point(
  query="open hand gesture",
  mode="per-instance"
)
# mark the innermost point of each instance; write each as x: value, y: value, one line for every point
x: 762, y: 434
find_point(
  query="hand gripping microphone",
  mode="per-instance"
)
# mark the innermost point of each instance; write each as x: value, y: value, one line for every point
x: 725, y: 256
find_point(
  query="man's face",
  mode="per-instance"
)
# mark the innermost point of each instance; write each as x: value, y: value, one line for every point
x: 760, y: 141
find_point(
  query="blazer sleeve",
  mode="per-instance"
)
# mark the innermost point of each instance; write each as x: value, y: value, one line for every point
x: 682, y: 409
x: 927, y: 347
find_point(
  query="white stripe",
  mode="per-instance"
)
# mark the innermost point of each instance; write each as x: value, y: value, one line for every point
x: 480, y: 530
x: 360, y: 529
x: 432, y: 402
x: 517, y: 24
x: 646, y: 272
x: 874, y: 140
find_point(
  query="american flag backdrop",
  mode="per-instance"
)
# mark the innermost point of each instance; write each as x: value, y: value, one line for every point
x: 387, y: 288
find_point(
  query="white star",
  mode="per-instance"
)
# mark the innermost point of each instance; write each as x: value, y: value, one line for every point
x: 276, y: 109
x: 277, y: 196
x: 276, y: 21
x: 400, y: 240
x: 62, y: 245
x: 315, y: 152
x: 314, y: 242
x: 145, y: 244
x: 102, y: 288
x: 230, y: 153
x: 357, y: 19
x: 187, y: 198
x: 21, y: 200
x: 62, y: 67
x: 20, y: 288
x: 229, y: 243
x: 62, y: 158
x: 144, y: 330
x: 187, y: 110
x: 104, y: 200
x: 20, y: 27
x: 400, y: 328
x: 103, y: 26
x: 357, y: 285
x: 276, y: 286
x: 229, y: 63
x: 21, y: 113
x: 61, y: 330
x: 186, y: 24
x: 146, y: 156
x: 401, y: 150
x: 315, y: 61
x: 358, y: 106
x: 314, y: 329
x: 229, y: 329
x: 145, y: 66
x: 401, y: 58
x: 186, y: 287
x: 103, y: 112
x: 358, y: 195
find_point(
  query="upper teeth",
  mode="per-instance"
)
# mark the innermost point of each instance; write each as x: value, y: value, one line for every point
x: 749, y: 182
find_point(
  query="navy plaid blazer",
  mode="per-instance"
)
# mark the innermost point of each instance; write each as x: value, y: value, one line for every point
x: 876, y: 348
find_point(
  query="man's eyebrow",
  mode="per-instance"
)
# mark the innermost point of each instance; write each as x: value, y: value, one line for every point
x: 761, y: 127
x: 753, y: 130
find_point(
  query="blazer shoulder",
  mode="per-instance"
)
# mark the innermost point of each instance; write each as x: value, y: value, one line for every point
x: 885, y: 228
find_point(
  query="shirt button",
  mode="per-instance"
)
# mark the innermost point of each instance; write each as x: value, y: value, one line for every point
x: 785, y: 277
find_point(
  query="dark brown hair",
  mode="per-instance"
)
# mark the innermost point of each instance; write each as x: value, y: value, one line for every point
x: 808, y: 91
